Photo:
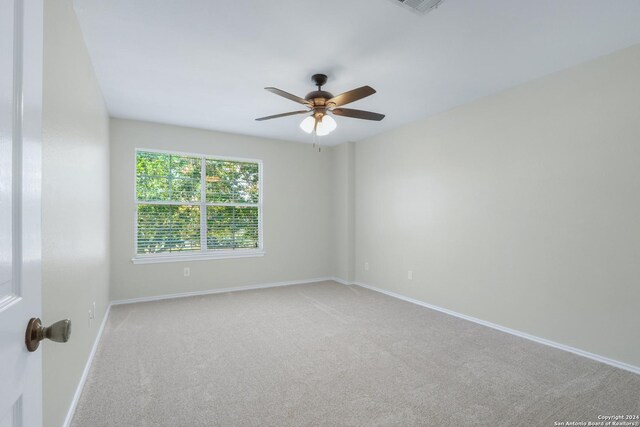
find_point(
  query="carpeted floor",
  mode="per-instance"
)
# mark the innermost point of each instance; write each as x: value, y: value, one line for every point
x: 333, y: 355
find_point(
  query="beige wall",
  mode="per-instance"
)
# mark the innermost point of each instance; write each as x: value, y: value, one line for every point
x: 521, y: 209
x: 296, y: 212
x: 75, y: 205
x: 342, y: 214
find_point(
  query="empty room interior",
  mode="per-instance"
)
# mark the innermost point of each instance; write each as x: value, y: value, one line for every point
x: 337, y: 213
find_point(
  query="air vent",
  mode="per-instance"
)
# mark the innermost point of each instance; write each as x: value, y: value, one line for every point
x: 419, y: 6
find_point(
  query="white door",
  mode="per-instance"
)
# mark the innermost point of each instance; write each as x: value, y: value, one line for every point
x: 21, y: 23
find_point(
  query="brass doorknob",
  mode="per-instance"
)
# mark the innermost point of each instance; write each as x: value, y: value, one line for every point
x: 58, y: 332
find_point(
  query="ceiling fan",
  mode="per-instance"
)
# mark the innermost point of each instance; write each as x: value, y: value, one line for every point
x: 321, y: 104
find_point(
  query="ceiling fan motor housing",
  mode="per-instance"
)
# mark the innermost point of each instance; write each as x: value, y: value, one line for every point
x: 319, y: 97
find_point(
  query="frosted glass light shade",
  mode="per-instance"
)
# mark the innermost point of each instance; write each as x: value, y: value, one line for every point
x: 308, y: 124
x: 326, y: 126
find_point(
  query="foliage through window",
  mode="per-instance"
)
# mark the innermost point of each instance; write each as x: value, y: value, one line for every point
x: 196, y: 204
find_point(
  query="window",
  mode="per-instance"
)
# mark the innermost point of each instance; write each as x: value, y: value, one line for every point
x: 196, y: 207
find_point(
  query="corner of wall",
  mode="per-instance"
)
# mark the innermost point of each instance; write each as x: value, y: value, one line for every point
x: 343, y: 211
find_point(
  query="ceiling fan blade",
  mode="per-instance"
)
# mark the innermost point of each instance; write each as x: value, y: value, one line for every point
x: 357, y: 114
x: 351, y: 96
x: 288, y: 96
x: 283, y: 115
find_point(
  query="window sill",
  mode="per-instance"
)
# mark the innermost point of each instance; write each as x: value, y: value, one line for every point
x: 155, y: 259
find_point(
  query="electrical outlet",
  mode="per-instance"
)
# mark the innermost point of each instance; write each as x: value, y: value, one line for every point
x: 92, y: 313
x: 187, y: 272
x: 366, y: 266
x: 410, y: 275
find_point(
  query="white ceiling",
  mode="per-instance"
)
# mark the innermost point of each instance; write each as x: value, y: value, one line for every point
x: 204, y: 63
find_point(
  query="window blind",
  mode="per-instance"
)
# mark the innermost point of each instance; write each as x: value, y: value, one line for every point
x: 195, y: 204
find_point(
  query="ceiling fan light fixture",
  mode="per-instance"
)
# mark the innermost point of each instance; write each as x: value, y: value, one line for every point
x: 308, y: 124
x: 326, y: 125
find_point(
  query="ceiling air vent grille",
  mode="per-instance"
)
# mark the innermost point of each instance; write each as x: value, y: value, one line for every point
x: 419, y: 6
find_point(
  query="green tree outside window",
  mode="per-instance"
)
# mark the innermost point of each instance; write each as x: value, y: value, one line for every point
x: 175, y: 215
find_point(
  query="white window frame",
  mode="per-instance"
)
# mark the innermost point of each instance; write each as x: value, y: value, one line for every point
x: 203, y: 253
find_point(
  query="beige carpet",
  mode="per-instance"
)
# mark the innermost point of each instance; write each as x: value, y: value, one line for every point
x: 333, y: 355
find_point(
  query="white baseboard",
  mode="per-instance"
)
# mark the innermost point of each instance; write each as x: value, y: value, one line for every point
x: 85, y: 373
x: 342, y: 281
x: 583, y: 353
x: 222, y: 290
